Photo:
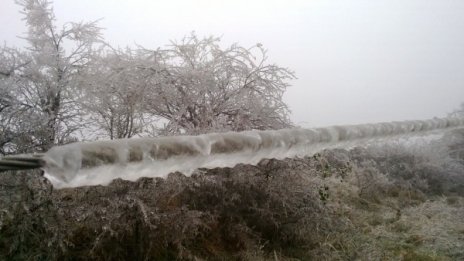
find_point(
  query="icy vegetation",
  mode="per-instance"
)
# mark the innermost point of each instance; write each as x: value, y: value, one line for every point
x: 391, y: 200
x: 98, y: 163
x: 248, y: 186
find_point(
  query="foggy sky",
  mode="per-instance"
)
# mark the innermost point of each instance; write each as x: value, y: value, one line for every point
x: 356, y: 61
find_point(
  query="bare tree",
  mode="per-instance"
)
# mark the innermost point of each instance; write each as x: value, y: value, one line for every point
x: 198, y: 87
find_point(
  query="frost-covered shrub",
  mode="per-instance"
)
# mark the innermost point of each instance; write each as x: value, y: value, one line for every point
x: 433, y: 166
x: 218, y: 213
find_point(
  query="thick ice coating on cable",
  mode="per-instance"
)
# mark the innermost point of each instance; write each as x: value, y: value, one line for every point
x: 98, y: 163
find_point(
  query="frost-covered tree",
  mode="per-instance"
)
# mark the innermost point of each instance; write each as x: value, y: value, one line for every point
x: 45, y: 83
x: 18, y: 122
x: 200, y: 87
x: 115, y: 92
x: 65, y: 79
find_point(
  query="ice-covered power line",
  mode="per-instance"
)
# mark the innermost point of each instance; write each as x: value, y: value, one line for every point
x: 98, y: 163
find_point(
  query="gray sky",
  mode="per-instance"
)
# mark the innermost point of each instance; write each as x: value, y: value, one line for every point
x: 357, y: 61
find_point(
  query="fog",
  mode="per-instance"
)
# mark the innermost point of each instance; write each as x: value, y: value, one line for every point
x: 356, y: 61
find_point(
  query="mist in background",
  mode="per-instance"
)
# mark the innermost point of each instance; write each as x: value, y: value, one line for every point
x: 356, y: 61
